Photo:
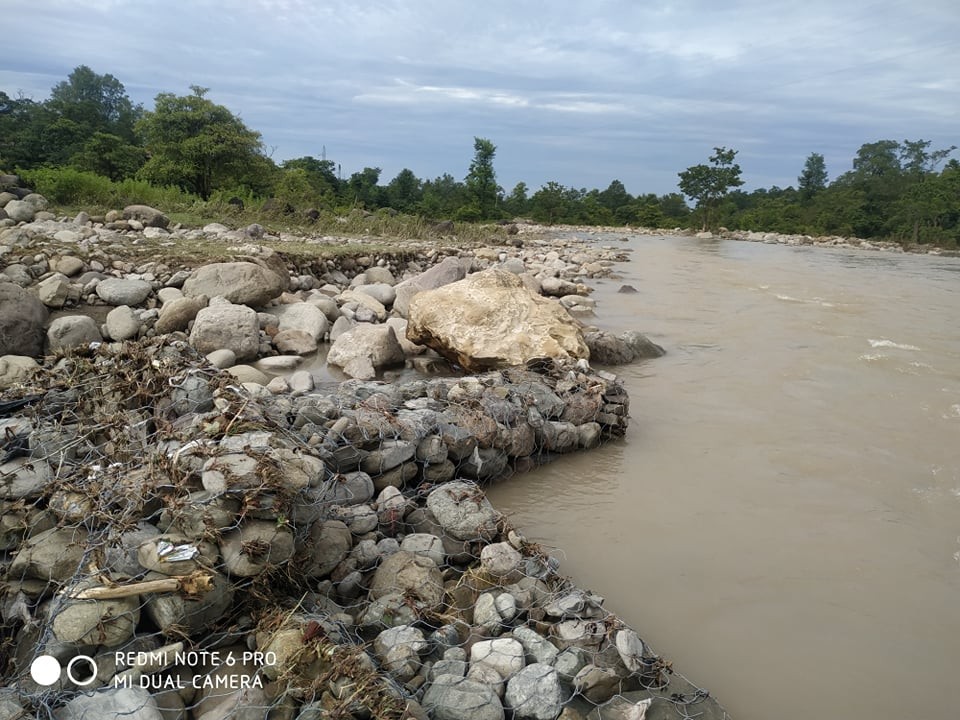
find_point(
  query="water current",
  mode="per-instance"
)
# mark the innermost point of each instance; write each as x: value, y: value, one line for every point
x: 782, y: 520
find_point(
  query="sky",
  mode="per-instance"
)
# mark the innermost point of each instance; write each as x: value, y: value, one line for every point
x: 580, y: 93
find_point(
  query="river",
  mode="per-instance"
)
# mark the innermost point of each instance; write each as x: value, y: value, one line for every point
x: 782, y: 520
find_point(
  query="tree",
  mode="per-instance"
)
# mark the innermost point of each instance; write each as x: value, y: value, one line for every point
x: 109, y: 155
x: 481, y: 181
x: 404, y: 192
x: 97, y: 103
x: 196, y: 144
x: 813, y: 179
x: 709, y: 184
x: 550, y: 203
x: 516, y: 202
x: 615, y: 197
x: 443, y: 196
x: 320, y: 173
x: 362, y: 188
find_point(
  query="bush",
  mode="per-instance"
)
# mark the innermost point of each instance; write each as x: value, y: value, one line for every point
x: 72, y: 187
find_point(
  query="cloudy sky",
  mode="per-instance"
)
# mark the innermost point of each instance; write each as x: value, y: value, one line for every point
x: 577, y: 92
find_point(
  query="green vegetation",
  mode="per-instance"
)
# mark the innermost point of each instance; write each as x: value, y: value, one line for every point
x: 709, y: 184
x: 89, y: 145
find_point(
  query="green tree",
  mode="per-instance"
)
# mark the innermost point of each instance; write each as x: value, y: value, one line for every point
x: 97, y: 103
x: 320, y: 174
x: 813, y: 178
x: 109, y: 155
x: 443, y: 196
x: 517, y: 202
x: 708, y: 184
x: 551, y: 203
x: 926, y: 197
x: 197, y: 144
x: 405, y: 191
x: 362, y: 188
x: 481, y: 180
x: 616, y: 199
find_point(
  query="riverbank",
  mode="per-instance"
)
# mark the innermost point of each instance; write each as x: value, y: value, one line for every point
x: 333, y: 538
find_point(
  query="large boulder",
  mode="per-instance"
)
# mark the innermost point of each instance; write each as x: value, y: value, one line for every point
x: 150, y: 217
x: 490, y: 320
x: 20, y: 210
x: 227, y: 326
x: 22, y: 317
x: 447, y: 271
x: 364, y: 348
x: 609, y: 349
x: 73, y: 331
x: 244, y: 283
x: 123, y: 291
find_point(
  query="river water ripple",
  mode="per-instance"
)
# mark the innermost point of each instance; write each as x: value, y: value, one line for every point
x: 783, y: 518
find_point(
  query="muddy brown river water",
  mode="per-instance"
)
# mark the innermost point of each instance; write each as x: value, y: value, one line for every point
x: 782, y: 520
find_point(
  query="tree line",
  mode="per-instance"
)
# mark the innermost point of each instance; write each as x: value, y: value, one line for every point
x: 906, y: 190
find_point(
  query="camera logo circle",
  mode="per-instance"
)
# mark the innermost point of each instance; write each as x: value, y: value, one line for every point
x: 45, y: 670
x: 89, y: 666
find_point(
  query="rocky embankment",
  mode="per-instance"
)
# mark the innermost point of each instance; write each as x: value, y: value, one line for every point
x: 180, y: 541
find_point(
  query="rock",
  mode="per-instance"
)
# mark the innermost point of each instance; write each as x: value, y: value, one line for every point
x: 609, y: 349
x: 450, y: 697
x: 178, y: 313
x: 72, y: 331
x: 172, y: 554
x: 400, y: 635
x: 15, y: 369
x: 447, y: 271
x: 379, y: 275
x: 175, y: 612
x: 536, y: 648
x: 20, y: 211
x: 54, y: 291
x: 597, y: 684
x: 501, y: 561
x: 557, y: 287
x: 425, y: 544
x: 364, y: 300
x: 329, y: 543
x: 327, y: 305
x: 53, y: 555
x: 297, y: 342
x: 122, y: 323
x: 388, y: 455
x: 254, y: 548
x: 96, y: 622
x: 490, y: 320
x: 304, y: 317
x: 505, y: 655
x: 463, y: 511
x: 364, y: 348
x: 243, y: 283
x: 150, y: 217
x: 381, y: 292
x: 626, y: 289
x: 534, y: 693
x: 224, y: 325
x: 123, y: 291
x: 301, y: 382
x: 222, y: 358
x: 23, y: 477
x: 22, y: 318
x: 123, y: 703
x: 414, y: 576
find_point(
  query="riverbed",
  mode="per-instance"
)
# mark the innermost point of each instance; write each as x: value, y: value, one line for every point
x: 782, y: 520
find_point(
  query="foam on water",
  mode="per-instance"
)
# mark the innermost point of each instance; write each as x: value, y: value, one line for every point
x: 891, y: 344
